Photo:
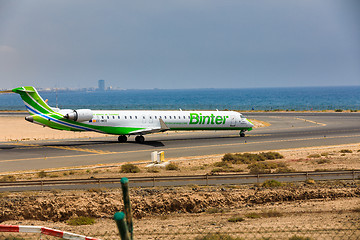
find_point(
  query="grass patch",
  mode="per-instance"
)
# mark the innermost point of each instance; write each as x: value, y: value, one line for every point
x: 42, y: 174
x: 129, y: 168
x: 324, y: 154
x: 271, y: 184
x: 77, y: 221
x: 267, y: 167
x: 214, y: 210
x: 221, y: 164
x: 314, y: 155
x: 8, y: 178
x: 253, y: 215
x: 248, y: 158
x: 295, y: 237
x: 152, y: 170
x: 172, y: 167
x: 236, y: 219
x: 345, y: 151
x: 323, y: 161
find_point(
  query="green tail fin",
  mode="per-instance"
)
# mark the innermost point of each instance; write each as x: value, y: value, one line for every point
x: 33, y: 101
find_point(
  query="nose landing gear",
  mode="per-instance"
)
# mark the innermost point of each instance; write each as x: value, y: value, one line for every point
x: 242, y: 133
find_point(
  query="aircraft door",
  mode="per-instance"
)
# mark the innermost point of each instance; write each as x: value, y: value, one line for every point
x: 143, y: 119
x: 232, y: 121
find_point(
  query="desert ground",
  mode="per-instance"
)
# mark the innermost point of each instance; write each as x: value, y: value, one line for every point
x: 317, y: 210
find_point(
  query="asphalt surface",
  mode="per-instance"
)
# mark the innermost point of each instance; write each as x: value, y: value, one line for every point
x: 287, y: 131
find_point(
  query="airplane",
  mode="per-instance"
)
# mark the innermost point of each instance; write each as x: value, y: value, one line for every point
x: 127, y: 122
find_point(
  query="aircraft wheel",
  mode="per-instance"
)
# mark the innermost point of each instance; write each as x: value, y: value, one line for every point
x: 122, y: 138
x: 140, y: 139
x: 242, y: 134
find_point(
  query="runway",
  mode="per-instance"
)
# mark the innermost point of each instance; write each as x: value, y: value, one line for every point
x: 287, y: 131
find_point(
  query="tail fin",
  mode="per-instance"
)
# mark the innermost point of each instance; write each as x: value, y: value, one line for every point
x: 33, y: 102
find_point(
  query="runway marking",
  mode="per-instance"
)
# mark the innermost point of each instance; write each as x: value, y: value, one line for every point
x: 66, y: 148
x: 179, y: 148
x: 81, y: 149
x: 318, y: 123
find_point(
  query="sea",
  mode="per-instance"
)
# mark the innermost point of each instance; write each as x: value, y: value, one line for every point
x: 298, y: 99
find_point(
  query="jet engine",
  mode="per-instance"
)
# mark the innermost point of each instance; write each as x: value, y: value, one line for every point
x: 80, y: 115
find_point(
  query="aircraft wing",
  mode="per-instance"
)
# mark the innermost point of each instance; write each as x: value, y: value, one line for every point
x: 161, y: 128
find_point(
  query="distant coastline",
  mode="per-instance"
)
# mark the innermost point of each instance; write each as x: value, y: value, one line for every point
x: 258, y: 99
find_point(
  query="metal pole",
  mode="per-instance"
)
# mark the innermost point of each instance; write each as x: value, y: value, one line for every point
x: 121, y: 224
x: 127, y: 206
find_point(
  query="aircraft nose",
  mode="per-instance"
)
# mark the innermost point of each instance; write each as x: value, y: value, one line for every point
x: 250, y: 123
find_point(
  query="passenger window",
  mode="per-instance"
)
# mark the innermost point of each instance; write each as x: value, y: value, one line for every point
x: 155, y: 117
x: 143, y: 117
x: 165, y: 117
x: 113, y: 117
x: 169, y: 117
x: 125, y: 117
x: 135, y: 117
x: 179, y: 117
x: 107, y: 117
x: 102, y: 117
x: 150, y: 117
x: 130, y: 117
x: 184, y: 117
x: 118, y: 117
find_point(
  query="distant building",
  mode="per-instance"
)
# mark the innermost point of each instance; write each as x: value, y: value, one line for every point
x: 101, y: 85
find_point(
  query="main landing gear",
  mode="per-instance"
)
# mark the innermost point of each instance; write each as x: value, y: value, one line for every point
x: 122, y: 138
x: 242, y: 133
x: 140, y: 139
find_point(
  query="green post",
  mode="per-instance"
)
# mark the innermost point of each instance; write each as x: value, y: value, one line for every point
x: 127, y: 207
x: 121, y: 224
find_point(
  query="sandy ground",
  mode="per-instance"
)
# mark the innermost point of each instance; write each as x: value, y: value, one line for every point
x: 318, y: 212
x: 18, y: 129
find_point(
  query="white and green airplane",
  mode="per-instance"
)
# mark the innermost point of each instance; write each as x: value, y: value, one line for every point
x: 125, y: 123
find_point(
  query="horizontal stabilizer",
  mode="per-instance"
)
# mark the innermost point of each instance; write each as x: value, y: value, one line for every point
x: 7, y: 91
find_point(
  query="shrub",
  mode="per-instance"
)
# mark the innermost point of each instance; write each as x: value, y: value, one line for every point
x: 236, y: 219
x: 295, y: 237
x: 214, y: 210
x: 77, y: 221
x: 217, y: 236
x: 345, y: 151
x: 265, y: 167
x: 324, y: 154
x: 172, y: 167
x: 42, y: 174
x: 221, y: 164
x: 271, y: 183
x: 253, y: 215
x: 338, y: 110
x: 314, y: 155
x: 323, y: 161
x: 152, y: 170
x: 310, y: 181
x: 8, y: 178
x: 271, y: 213
x: 13, y: 238
x: 129, y: 168
x: 271, y: 155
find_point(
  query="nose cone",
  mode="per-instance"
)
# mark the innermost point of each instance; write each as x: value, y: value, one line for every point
x: 250, y: 123
x: 29, y: 118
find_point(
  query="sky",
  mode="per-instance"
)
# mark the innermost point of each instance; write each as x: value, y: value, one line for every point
x: 179, y: 44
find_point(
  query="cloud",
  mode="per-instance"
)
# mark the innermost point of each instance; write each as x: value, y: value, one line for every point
x: 6, y: 49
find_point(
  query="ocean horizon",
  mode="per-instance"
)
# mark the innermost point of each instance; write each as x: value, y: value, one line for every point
x: 285, y: 98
